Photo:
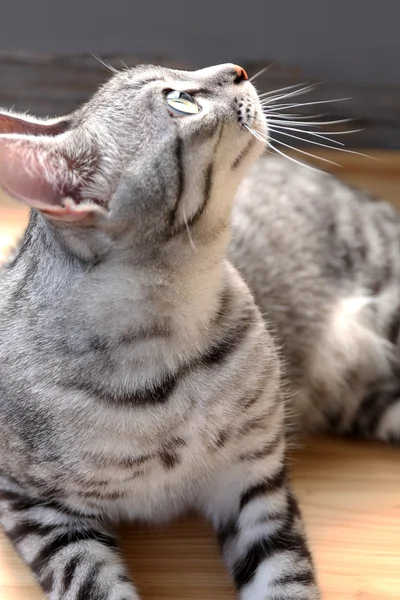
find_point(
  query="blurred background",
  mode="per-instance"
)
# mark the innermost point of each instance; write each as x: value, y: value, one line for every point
x: 345, y: 40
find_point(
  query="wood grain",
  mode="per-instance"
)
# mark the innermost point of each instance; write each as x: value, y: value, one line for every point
x: 349, y: 493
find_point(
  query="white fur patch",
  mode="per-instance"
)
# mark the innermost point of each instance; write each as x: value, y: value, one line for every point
x: 272, y: 503
x: 281, y: 564
x: 349, y: 343
x: 389, y: 425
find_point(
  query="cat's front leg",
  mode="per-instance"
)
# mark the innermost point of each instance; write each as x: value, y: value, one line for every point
x: 71, y: 557
x: 260, y: 528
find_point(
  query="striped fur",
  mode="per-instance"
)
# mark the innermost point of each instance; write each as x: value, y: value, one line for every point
x: 137, y: 376
x: 323, y: 262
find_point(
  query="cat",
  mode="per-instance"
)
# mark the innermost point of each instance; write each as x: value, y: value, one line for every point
x: 138, y: 378
x: 322, y: 262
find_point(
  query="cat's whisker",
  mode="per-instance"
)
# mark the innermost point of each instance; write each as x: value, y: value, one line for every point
x: 256, y: 134
x: 298, y: 104
x: 283, y: 130
x: 313, y: 142
x: 325, y: 160
x: 275, y: 109
x: 267, y: 141
x: 288, y: 87
x: 294, y: 116
x: 298, y: 162
x: 191, y: 241
x: 109, y: 67
x: 317, y: 133
x: 299, y: 92
x: 284, y: 107
x: 307, y: 123
x: 282, y: 123
x: 261, y: 72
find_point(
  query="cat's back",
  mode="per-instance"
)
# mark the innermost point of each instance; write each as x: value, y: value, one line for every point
x: 308, y: 230
x: 316, y: 253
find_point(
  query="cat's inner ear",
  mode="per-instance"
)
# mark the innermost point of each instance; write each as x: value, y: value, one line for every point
x: 12, y: 124
x: 46, y: 171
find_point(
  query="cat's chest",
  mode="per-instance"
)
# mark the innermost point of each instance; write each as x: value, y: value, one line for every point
x: 143, y: 465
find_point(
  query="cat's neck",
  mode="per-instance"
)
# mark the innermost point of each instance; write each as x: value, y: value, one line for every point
x: 177, y: 292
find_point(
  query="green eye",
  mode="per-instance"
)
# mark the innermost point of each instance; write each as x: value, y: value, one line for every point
x: 182, y: 103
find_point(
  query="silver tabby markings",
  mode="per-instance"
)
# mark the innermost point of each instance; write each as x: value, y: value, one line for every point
x: 137, y: 376
x: 322, y: 260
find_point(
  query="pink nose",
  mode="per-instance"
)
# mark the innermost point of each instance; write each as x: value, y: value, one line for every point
x: 241, y: 74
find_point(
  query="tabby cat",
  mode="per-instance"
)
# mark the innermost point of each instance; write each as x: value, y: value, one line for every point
x: 137, y: 376
x: 323, y: 263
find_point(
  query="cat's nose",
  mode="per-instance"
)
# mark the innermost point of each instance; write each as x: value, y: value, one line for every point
x: 240, y: 75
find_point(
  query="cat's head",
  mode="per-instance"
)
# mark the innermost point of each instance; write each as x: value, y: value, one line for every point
x: 155, y: 153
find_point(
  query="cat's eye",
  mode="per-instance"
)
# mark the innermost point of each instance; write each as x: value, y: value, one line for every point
x: 182, y: 103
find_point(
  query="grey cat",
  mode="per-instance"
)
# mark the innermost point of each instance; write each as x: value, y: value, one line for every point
x: 322, y: 261
x: 137, y: 376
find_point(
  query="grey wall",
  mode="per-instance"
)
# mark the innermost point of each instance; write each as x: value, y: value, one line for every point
x: 343, y: 40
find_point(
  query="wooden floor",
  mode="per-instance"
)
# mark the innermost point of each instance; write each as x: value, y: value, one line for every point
x: 349, y: 493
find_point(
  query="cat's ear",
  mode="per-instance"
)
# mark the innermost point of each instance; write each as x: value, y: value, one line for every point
x: 10, y: 123
x: 41, y: 166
